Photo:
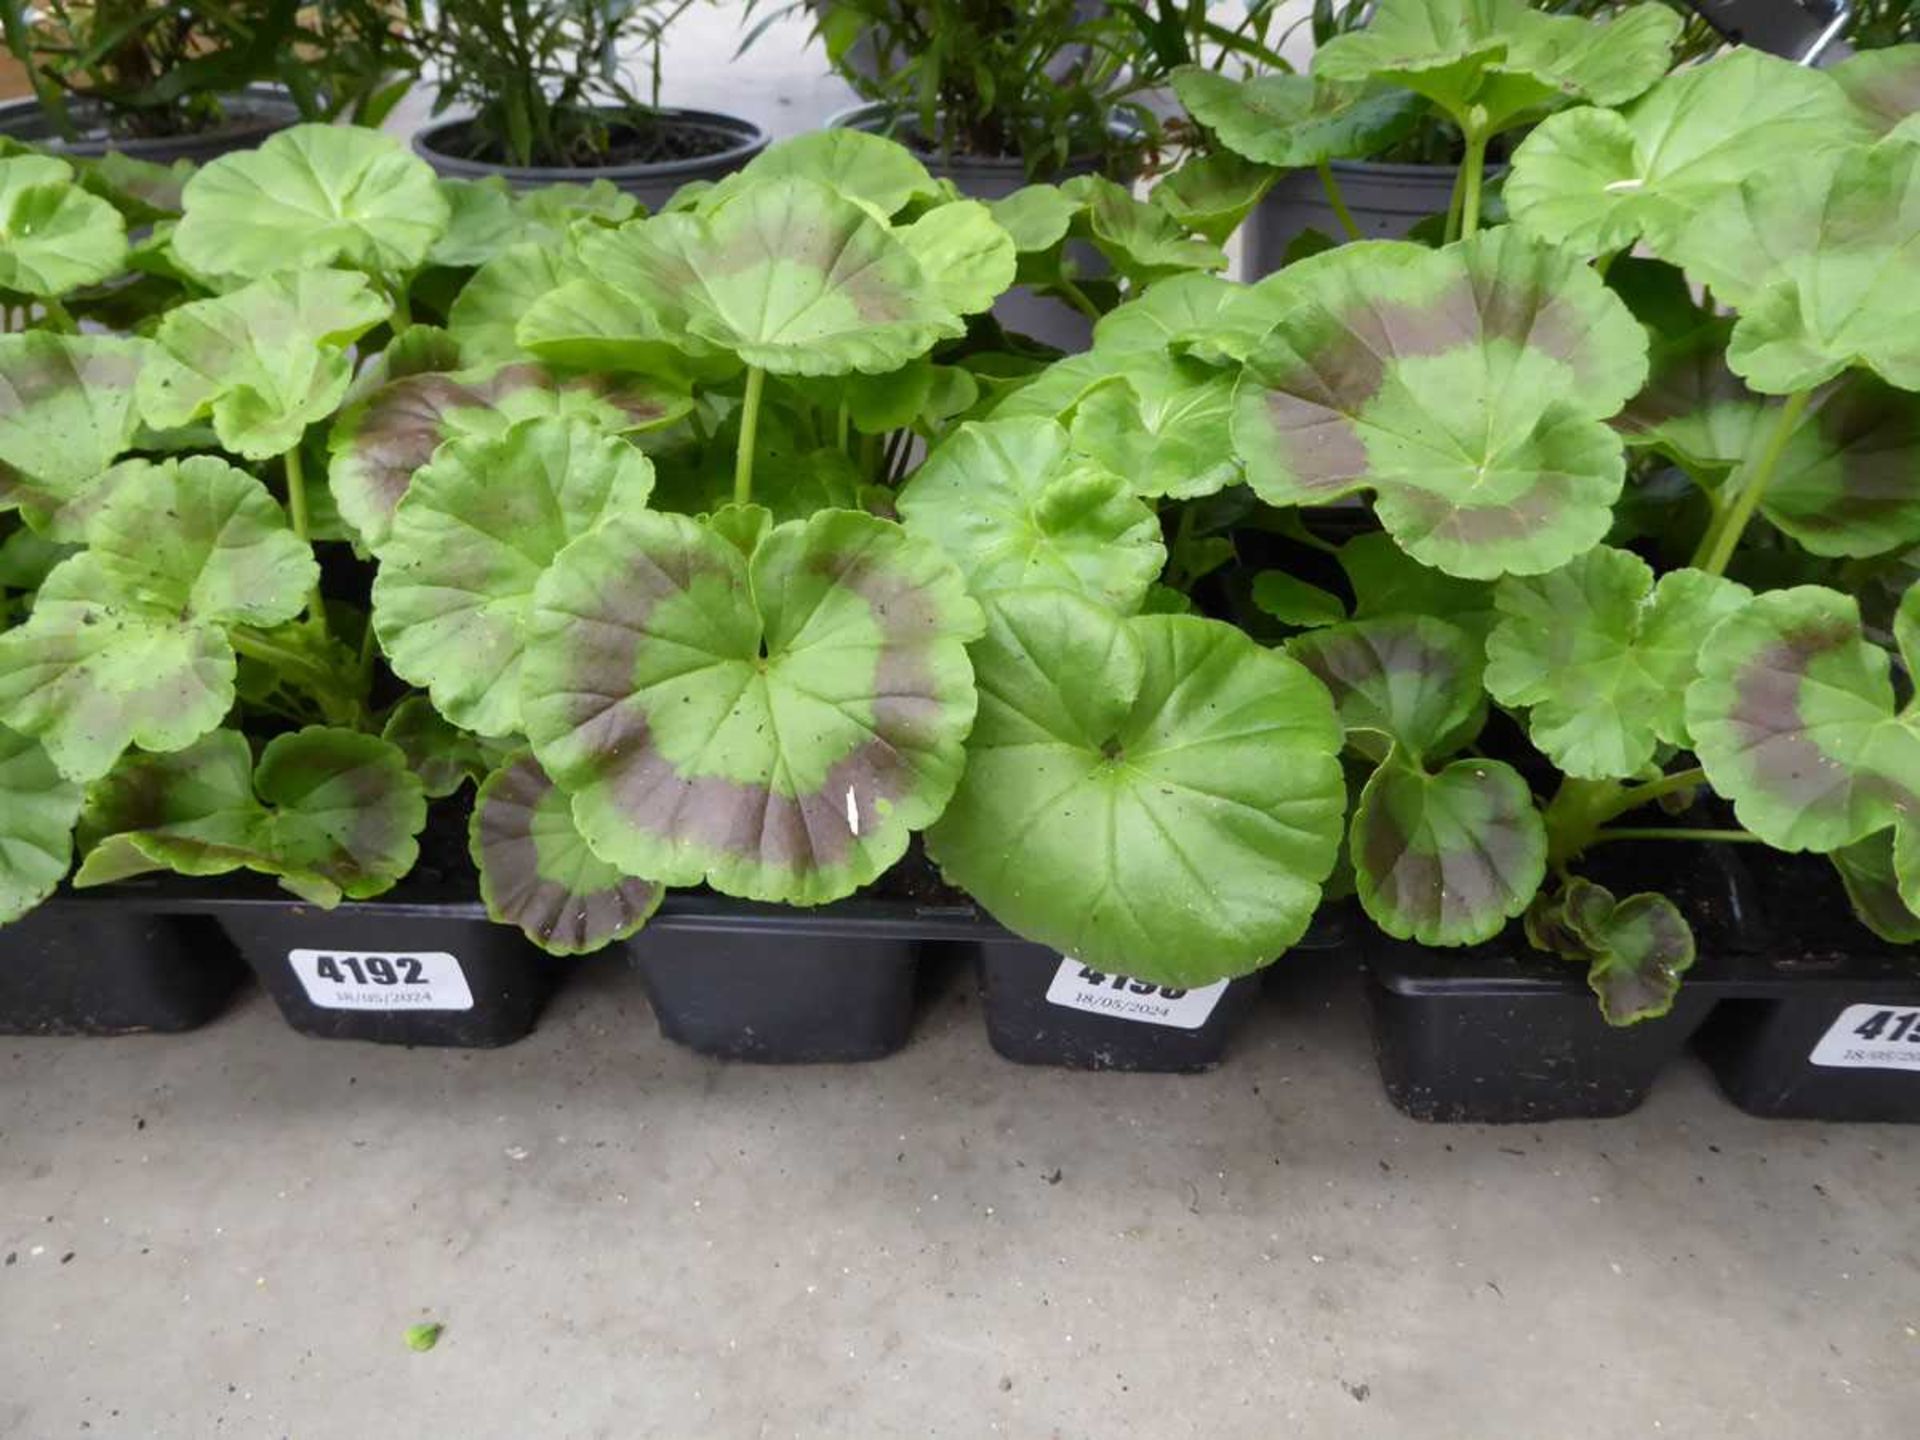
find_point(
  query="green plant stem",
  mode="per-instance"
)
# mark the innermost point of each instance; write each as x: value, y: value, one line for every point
x: 1474, y: 169
x: 1077, y: 298
x: 1676, y: 832
x: 1581, y: 807
x: 842, y: 428
x: 311, y: 675
x: 297, y: 509
x: 59, y: 316
x: 1632, y: 797
x: 1337, y: 200
x: 1454, y: 202
x: 749, y: 430
x: 1750, y: 485
x: 402, y: 306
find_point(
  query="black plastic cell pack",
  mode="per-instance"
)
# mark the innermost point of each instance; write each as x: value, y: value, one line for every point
x: 394, y: 973
x: 1498, y: 1033
x: 87, y: 966
x: 762, y: 982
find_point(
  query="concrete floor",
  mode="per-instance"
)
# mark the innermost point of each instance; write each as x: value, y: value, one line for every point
x: 226, y: 1233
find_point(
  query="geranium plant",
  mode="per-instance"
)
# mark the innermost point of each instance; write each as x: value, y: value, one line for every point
x: 1486, y: 67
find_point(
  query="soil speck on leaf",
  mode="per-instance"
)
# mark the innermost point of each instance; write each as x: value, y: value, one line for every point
x: 1359, y: 1392
x: 1053, y: 1178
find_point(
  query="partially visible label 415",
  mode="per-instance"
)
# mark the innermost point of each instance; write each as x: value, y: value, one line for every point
x: 382, y: 980
x: 1872, y: 1037
x: 1080, y: 987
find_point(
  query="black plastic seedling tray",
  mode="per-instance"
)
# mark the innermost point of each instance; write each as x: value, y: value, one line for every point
x: 742, y: 981
x: 1500, y: 1034
x: 396, y: 971
x: 1045, y: 1008
x: 77, y: 966
x: 1496, y: 1035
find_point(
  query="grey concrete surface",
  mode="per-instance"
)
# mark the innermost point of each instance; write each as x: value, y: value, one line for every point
x: 226, y: 1233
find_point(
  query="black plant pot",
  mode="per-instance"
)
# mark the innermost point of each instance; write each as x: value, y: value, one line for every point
x: 98, y: 966
x: 1386, y: 202
x: 394, y: 971
x: 252, y: 116
x: 1497, y: 1035
x: 1501, y: 1034
x: 1043, y: 1008
x: 769, y: 983
x: 1825, y: 1023
x: 443, y: 146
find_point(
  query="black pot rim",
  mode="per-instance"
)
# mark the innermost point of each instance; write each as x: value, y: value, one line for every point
x: 256, y: 112
x: 872, y: 116
x: 750, y: 140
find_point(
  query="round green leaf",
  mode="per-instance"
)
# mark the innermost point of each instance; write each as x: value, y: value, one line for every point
x: 1296, y: 602
x: 485, y: 317
x: 1160, y: 419
x: 477, y: 529
x: 1465, y: 386
x: 537, y: 872
x: 1013, y: 506
x: 1599, y: 180
x: 1386, y: 582
x: 443, y: 756
x: 1446, y: 859
x: 1842, y: 295
x: 311, y: 196
x: 1794, y: 717
x: 590, y: 325
x: 342, y: 807
x: 1406, y: 680
x: 125, y: 645
x: 1180, y: 309
x: 37, y: 811
x: 1867, y: 869
x: 331, y: 812
x: 54, y: 236
x: 786, y: 275
x: 1635, y: 949
x: 263, y: 362
x: 191, y: 811
x: 1845, y: 484
x: 1292, y: 121
x: 66, y: 412
x: 1603, y: 657
x: 1884, y: 86
x: 1036, y: 216
x: 855, y: 163
x: 1211, y: 194
x: 1139, y: 239
x: 774, y: 725
x: 1158, y: 797
x: 967, y: 258
x: 1503, y: 57
x: 379, y: 443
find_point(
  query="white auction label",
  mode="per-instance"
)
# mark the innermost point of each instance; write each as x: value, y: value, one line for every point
x: 1080, y: 987
x: 382, y: 979
x: 1872, y: 1037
